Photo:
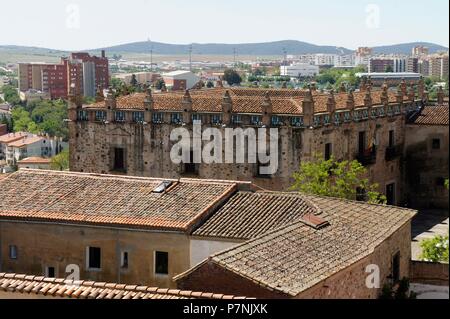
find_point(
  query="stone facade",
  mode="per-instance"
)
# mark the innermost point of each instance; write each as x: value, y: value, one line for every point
x: 427, y: 166
x: 41, y: 245
x: 95, y: 134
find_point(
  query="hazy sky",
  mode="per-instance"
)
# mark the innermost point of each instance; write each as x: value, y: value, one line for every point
x: 88, y: 24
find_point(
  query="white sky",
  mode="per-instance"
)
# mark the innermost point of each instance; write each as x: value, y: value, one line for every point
x: 88, y: 24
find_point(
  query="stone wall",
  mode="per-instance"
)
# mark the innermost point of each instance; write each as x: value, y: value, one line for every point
x: 147, y: 150
x: 426, y: 168
x: 429, y: 273
x: 51, y: 245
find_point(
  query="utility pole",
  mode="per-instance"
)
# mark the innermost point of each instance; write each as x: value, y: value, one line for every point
x: 234, y: 56
x: 151, y: 55
x: 284, y: 56
x: 190, y: 57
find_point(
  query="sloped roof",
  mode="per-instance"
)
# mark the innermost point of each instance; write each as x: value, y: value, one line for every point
x: 109, y: 200
x: 431, y: 115
x: 81, y: 289
x: 295, y: 257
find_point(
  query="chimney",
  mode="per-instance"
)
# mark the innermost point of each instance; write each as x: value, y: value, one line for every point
x: 368, y: 97
x: 350, y: 100
x: 267, y: 110
x: 412, y: 94
x: 308, y: 108
x: 421, y: 89
x: 99, y: 95
x: 440, y: 96
x: 385, y: 96
x: 404, y: 87
x: 187, y: 107
x: 399, y: 96
x: 342, y: 88
x: 331, y: 103
x: 103, y: 54
x: 110, y: 101
x: 148, y: 101
x: 148, y: 105
x: 362, y: 85
x: 385, y: 83
x: 227, y: 108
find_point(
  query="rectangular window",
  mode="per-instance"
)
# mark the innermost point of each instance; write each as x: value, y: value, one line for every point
x: 82, y: 115
x: 347, y: 117
x: 236, y: 119
x: 100, y: 115
x: 297, y: 121
x: 119, y: 159
x: 175, y: 118
x: 161, y: 263
x: 436, y: 144
x: 276, y: 120
x: 256, y: 120
x: 196, y: 117
x: 157, y: 118
x: 124, y: 259
x: 13, y: 252
x: 361, y: 142
x: 94, y: 258
x: 119, y: 116
x: 216, y: 119
x: 328, y: 151
x: 138, y: 117
x: 396, y: 267
x: 50, y: 272
x: 391, y: 138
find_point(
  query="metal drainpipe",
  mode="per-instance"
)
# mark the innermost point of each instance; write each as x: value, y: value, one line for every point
x: 118, y: 254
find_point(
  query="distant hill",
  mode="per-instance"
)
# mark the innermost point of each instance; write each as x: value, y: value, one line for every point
x: 253, y: 49
x: 268, y: 48
x: 406, y: 48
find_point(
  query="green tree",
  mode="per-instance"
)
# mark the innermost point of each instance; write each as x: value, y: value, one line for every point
x: 435, y: 249
x: 209, y: 84
x: 22, y: 121
x: 49, y: 117
x: 232, y: 77
x: 335, y: 179
x: 389, y: 69
x: 158, y: 84
x: 11, y: 94
x: 60, y: 162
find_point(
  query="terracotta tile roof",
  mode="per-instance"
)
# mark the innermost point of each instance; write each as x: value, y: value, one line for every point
x: 431, y: 115
x: 35, y: 160
x: 245, y: 100
x: 61, y: 288
x: 296, y: 257
x: 11, y: 137
x: 110, y: 200
x: 248, y: 215
x: 25, y: 141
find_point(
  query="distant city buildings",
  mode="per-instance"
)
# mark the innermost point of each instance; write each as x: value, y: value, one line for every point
x: 79, y: 73
x: 180, y: 80
x: 17, y: 146
x: 299, y: 70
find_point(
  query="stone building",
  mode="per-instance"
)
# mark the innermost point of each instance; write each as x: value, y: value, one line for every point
x: 149, y: 231
x: 427, y: 163
x: 113, y: 229
x: 327, y: 250
x: 131, y: 134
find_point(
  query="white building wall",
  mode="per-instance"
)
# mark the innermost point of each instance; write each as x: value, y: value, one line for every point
x: 202, y: 249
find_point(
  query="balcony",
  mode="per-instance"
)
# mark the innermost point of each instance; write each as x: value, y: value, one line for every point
x: 368, y: 157
x: 393, y: 152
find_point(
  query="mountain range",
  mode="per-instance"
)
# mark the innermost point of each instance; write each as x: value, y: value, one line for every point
x: 253, y: 49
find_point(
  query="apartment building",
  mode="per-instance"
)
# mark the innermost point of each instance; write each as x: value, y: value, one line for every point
x: 80, y: 73
x: 299, y: 70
